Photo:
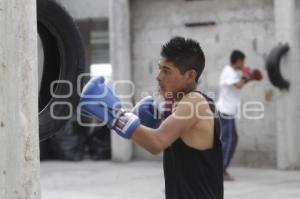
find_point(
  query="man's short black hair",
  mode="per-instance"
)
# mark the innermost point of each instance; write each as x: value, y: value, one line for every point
x: 236, y: 55
x: 186, y: 54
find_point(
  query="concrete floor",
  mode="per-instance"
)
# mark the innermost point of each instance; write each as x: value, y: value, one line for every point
x: 144, y: 180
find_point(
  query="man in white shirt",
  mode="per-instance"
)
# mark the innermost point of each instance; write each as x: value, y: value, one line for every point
x: 231, y: 82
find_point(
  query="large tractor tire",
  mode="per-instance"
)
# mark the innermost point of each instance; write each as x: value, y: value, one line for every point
x: 61, y: 60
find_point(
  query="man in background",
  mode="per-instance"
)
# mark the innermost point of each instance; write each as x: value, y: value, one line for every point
x: 231, y: 83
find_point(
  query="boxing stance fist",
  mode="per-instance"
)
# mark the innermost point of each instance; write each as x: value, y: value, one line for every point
x: 151, y: 112
x: 98, y: 100
x: 148, y: 111
x: 249, y: 74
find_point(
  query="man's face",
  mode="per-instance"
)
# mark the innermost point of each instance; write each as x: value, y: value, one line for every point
x: 169, y: 78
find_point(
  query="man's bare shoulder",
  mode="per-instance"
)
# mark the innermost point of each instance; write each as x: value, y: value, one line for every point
x: 197, y: 102
x: 194, y: 97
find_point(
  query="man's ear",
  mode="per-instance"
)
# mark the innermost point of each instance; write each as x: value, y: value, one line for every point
x: 192, y: 74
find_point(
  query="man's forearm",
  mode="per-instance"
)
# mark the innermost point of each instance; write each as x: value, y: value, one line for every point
x: 148, y: 138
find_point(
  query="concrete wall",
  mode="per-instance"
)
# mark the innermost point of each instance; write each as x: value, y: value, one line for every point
x: 84, y: 9
x: 288, y: 108
x: 19, y: 143
x: 247, y: 25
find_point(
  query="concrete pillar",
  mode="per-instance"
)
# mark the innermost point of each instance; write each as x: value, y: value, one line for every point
x: 19, y: 143
x: 288, y: 115
x: 119, y: 29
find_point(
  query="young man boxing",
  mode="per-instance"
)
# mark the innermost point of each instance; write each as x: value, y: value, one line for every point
x: 188, y: 137
x: 233, y: 78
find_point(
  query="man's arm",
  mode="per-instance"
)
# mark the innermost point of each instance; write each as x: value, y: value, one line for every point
x: 240, y: 83
x: 230, y: 78
x: 156, y: 140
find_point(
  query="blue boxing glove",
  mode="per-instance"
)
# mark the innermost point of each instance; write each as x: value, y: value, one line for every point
x: 148, y: 111
x: 98, y: 100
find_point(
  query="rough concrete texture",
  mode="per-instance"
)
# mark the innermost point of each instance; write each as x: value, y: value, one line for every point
x: 86, y: 9
x: 19, y: 154
x: 247, y: 25
x: 144, y: 180
x: 288, y: 114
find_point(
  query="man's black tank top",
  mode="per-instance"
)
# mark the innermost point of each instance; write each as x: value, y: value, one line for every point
x: 194, y: 174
